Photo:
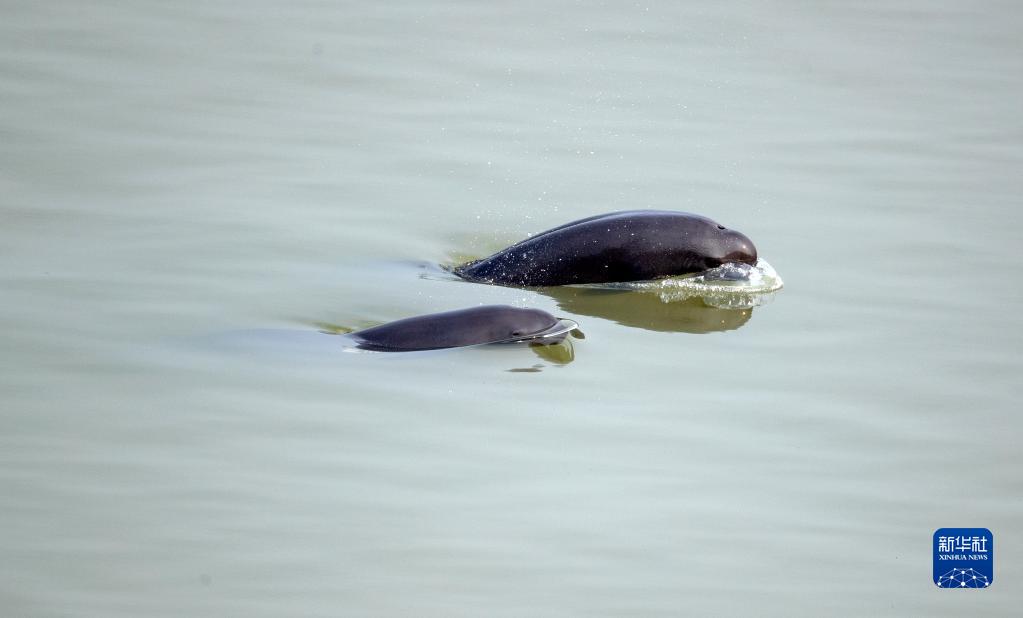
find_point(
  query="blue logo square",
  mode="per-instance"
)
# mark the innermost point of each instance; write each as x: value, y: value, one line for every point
x: 964, y: 557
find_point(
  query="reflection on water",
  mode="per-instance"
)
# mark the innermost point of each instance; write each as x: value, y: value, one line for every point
x: 656, y: 308
x: 560, y: 353
x: 646, y: 310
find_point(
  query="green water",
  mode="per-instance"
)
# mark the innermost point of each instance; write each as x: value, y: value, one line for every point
x: 175, y: 176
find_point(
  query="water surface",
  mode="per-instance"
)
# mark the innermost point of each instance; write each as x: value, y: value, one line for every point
x: 172, y: 175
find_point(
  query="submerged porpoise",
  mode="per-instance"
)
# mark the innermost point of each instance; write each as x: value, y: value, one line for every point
x: 464, y: 327
x: 631, y: 245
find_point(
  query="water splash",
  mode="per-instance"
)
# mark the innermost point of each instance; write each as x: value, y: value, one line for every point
x: 729, y: 286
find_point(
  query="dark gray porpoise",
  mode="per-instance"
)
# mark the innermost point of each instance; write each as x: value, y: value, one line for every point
x: 632, y: 245
x: 452, y: 329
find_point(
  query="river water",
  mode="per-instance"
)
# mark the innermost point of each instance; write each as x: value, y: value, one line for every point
x: 191, y: 191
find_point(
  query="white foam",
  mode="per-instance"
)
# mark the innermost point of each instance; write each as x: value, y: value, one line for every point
x: 729, y: 286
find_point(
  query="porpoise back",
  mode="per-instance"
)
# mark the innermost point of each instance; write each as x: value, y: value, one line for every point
x: 452, y: 329
x: 632, y: 245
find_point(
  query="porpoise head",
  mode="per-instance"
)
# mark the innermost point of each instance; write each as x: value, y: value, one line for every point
x: 716, y: 245
x: 516, y: 324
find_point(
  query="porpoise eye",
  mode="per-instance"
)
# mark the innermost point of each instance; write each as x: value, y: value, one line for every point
x: 516, y: 333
